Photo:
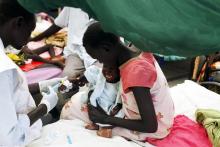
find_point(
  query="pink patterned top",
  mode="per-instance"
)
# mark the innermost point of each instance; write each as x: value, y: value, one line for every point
x: 144, y: 71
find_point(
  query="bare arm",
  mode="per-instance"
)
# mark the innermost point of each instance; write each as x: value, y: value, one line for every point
x: 147, y: 123
x: 37, y: 113
x: 45, y: 48
x: 50, y: 31
x: 17, y: 123
x: 41, y: 110
x: 34, y: 88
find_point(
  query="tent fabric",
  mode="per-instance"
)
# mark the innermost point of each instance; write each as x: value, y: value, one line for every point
x: 168, y: 27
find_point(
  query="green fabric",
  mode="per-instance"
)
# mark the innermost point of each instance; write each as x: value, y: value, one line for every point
x: 210, y: 119
x: 168, y: 27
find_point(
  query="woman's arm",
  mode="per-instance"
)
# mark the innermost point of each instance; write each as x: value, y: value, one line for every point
x: 14, y: 124
x: 148, y: 122
x: 35, y: 92
x: 37, y: 113
x: 47, y: 103
x: 34, y: 88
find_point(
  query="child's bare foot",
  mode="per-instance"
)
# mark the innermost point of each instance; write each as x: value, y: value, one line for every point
x: 105, y: 132
x: 92, y: 127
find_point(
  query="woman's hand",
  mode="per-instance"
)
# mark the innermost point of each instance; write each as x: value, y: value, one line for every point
x: 96, y: 115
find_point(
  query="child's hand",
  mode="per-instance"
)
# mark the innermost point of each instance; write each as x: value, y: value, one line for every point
x: 96, y: 115
x: 26, y: 50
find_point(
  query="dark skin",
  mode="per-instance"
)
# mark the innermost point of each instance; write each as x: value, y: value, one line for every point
x: 40, y: 50
x: 112, y: 76
x: 50, y: 31
x: 34, y: 54
x: 35, y: 90
x: 148, y: 122
x: 17, y: 38
x: 114, y: 55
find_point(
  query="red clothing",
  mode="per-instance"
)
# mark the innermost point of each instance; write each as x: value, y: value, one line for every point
x: 138, y: 73
x: 184, y: 133
x: 144, y: 71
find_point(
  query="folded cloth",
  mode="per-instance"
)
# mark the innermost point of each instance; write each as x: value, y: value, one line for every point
x: 184, y: 133
x: 210, y: 119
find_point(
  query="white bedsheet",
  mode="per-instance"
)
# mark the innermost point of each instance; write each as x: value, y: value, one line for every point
x: 190, y: 96
x: 187, y: 98
x: 73, y: 134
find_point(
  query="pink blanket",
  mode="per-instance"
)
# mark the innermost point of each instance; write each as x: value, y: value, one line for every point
x: 35, y: 45
x: 184, y: 133
x: 40, y: 74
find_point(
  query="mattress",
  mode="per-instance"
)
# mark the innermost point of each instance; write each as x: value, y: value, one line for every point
x: 187, y: 97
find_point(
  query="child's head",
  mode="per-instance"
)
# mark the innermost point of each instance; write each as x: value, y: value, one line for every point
x: 112, y: 75
x: 16, y: 24
x: 101, y: 45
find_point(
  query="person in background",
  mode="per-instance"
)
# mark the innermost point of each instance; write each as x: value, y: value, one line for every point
x: 76, y: 57
x: 20, y: 117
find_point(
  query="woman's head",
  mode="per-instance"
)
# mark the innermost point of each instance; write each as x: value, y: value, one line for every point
x: 101, y: 45
x: 16, y: 24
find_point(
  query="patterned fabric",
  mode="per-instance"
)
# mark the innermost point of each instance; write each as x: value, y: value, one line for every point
x: 144, y: 71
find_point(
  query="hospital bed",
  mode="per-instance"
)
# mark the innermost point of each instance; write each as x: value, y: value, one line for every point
x: 187, y: 97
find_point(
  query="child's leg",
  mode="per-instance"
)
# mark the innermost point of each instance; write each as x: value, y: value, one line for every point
x: 45, y: 48
x: 51, y: 52
x: 59, y: 59
x: 40, y: 59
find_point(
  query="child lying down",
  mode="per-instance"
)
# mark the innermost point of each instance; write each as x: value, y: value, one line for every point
x: 103, y: 93
x: 35, y: 55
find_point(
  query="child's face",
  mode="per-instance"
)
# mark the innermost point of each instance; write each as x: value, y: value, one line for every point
x: 112, y: 75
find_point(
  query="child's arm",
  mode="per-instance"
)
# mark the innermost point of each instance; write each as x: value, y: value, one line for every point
x: 148, y: 122
x: 50, y: 31
x: 39, y: 50
x: 40, y: 59
x: 45, y: 48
